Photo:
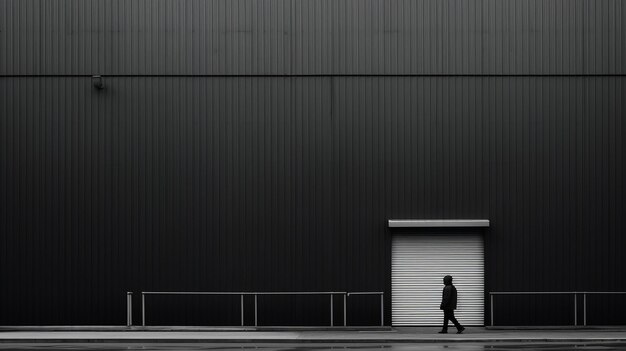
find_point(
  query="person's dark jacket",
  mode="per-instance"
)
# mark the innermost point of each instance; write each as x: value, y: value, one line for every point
x: 448, y: 301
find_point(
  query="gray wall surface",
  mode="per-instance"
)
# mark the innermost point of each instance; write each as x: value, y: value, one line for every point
x: 263, y: 145
x: 231, y: 37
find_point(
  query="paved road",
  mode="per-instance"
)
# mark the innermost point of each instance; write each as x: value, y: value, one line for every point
x: 499, y: 346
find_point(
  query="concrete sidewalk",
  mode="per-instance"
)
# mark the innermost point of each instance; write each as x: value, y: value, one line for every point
x: 392, y: 335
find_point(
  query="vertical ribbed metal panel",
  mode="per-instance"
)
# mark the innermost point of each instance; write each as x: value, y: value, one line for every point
x: 164, y: 184
x: 605, y: 37
x: 235, y: 37
x: 418, y: 265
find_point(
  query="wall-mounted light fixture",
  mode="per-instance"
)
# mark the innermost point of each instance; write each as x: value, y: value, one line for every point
x: 98, y: 82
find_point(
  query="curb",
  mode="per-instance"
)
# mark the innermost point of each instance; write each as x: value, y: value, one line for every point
x: 311, y: 341
x: 188, y: 329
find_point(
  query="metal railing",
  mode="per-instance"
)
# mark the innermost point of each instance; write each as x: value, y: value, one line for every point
x: 255, y: 294
x: 575, y: 293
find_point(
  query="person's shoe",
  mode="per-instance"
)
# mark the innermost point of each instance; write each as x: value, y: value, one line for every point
x: 443, y: 332
x: 460, y: 330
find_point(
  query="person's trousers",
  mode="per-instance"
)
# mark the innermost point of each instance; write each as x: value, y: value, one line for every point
x: 448, y: 315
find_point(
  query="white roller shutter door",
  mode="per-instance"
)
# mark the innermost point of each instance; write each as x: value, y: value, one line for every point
x: 418, y: 265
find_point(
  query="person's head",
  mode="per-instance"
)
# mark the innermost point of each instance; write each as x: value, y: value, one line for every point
x: 447, y: 280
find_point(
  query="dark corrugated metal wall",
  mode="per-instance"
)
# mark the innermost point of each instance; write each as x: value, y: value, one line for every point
x: 167, y: 180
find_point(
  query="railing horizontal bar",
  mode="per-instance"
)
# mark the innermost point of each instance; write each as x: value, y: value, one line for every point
x: 190, y: 293
x: 553, y: 292
x: 532, y: 293
x: 603, y: 292
x: 243, y: 293
x: 303, y: 293
x: 366, y: 293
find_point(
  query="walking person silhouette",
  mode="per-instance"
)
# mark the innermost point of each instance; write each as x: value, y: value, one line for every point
x: 448, y: 305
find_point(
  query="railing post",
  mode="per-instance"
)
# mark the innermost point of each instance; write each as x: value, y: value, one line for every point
x: 344, y: 309
x: 585, y: 309
x: 255, y: 310
x: 382, y: 310
x: 491, y: 307
x: 575, y: 314
x: 129, y: 309
x: 332, y: 323
x: 242, y: 310
x: 143, y: 309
